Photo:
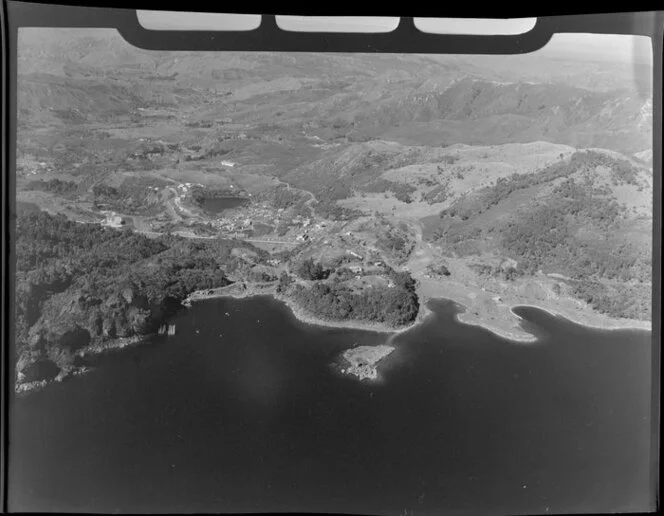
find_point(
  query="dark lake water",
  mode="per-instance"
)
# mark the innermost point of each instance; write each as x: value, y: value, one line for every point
x: 244, y: 412
x: 220, y: 204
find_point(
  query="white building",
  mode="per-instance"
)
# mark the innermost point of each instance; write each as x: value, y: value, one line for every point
x: 113, y: 220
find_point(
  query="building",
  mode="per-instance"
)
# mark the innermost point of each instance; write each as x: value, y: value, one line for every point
x: 356, y: 269
x: 114, y: 220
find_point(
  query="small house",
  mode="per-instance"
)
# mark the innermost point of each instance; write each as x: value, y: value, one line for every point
x: 114, y: 220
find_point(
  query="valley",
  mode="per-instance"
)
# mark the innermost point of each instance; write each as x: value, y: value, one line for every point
x: 354, y: 187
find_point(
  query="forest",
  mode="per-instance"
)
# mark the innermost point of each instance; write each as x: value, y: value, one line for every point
x: 107, y: 283
x: 56, y: 186
x: 395, y: 243
x: 628, y: 300
x: 284, y: 198
x: 546, y: 237
x: 395, y: 306
x: 332, y: 211
x: 310, y: 270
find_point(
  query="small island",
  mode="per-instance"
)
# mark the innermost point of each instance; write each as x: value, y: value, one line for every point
x: 364, y: 360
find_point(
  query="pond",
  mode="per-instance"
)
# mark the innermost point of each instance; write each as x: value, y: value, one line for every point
x: 26, y: 207
x: 220, y: 204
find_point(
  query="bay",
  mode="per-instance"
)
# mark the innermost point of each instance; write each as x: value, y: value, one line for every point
x: 245, y: 409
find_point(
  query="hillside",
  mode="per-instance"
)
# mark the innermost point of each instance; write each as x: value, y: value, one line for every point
x: 586, y: 219
x: 367, y: 96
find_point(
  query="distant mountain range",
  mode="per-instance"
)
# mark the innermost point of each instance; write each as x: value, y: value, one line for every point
x: 413, y: 99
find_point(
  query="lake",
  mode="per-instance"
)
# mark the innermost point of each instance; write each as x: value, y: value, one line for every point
x: 244, y: 410
x: 220, y: 204
x: 27, y: 207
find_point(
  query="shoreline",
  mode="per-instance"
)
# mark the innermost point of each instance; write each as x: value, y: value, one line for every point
x: 301, y: 314
x: 525, y: 337
x: 113, y: 345
x: 363, y: 360
x: 522, y: 337
x: 616, y: 324
x: 519, y: 335
x: 242, y: 291
x: 101, y: 348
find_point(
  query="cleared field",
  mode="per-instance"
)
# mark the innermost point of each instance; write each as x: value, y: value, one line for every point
x: 473, y: 168
x: 478, y: 166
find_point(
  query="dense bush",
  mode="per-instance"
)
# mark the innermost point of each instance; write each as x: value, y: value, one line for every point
x: 57, y: 256
x: 437, y: 194
x: 403, y: 197
x: 56, y: 186
x: 438, y: 270
x: 310, y: 270
x: 394, y: 306
x: 335, y: 212
x: 395, y: 243
x: 105, y: 191
x: 285, y: 197
x: 402, y: 280
x: 260, y: 276
x: 285, y: 281
x: 628, y: 300
x: 401, y: 191
x: 545, y: 237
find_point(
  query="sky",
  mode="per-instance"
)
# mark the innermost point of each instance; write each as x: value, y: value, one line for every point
x: 590, y: 46
x: 162, y: 20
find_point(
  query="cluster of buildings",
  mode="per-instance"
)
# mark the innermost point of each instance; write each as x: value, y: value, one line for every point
x: 309, y: 227
x: 30, y: 165
x: 240, y: 228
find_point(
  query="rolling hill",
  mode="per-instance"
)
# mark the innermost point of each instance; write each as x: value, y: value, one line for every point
x: 375, y: 96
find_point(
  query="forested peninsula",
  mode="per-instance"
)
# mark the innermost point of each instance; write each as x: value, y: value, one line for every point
x: 84, y: 286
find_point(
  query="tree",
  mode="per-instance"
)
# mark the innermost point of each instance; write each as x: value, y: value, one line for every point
x: 284, y: 282
x: 310, y: 270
